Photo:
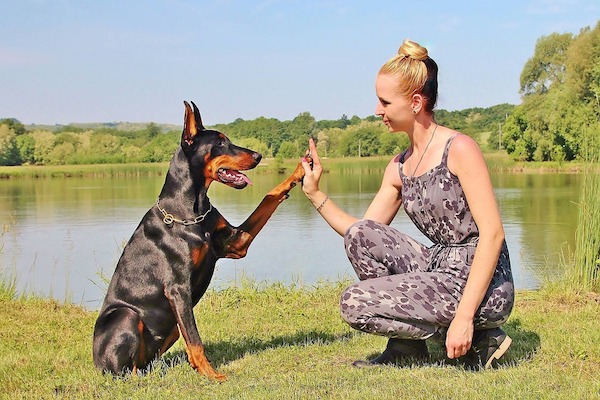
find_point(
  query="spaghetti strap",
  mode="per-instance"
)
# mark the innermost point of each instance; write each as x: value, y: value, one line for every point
x: 447, y: 150
x: 401, y: 161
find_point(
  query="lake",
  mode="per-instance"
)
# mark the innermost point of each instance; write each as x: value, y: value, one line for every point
x: 62, y: 237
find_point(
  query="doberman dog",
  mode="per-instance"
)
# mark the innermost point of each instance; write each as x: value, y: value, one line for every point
x: 168, y: 263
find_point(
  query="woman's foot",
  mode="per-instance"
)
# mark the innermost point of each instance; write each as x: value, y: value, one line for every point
x: 397, y: 350
x: 488, y: 346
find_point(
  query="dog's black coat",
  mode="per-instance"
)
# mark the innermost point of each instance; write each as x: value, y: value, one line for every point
x: 169, y: 261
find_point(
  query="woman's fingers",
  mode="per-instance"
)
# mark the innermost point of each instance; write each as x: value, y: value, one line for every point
x: 313, y: 151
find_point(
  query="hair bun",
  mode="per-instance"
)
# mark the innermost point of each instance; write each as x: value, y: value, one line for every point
x: 413, y: 50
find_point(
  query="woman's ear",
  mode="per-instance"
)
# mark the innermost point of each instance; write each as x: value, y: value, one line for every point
x: 417, y: 103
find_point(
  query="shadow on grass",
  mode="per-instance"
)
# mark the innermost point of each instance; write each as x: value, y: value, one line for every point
x: 224, y: 352
x: 524, y: 345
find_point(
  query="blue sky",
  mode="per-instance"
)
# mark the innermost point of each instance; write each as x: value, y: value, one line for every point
x: 69, y: 61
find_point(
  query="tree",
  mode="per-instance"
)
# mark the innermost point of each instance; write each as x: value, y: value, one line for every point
x: 26, y: 146
x: 288, y: 150
x: 152, y: 130
x: 547, y: 66
x: 560, y: 108
x: 17, y: 127
x: 44, y: 143
x: 9, y: 153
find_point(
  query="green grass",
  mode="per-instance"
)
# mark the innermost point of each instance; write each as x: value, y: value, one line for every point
x: 277, y: 342
x: 498, y: 161
x: 583, y: 272
x: 92, y: 170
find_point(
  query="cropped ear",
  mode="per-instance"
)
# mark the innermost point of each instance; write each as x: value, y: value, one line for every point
x: 198, y: 118
x: 192, y: 123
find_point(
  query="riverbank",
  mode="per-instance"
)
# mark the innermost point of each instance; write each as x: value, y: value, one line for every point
x: 498, y: 161
x: 277, y: 342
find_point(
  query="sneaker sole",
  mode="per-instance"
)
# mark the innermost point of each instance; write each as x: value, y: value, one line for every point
x: 499, y: 351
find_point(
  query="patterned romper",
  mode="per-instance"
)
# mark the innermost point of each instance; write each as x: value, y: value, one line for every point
x: 411, y: 291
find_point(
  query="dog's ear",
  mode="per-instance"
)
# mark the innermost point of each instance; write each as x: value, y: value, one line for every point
x: 192, y: 123
x: 197, y: 118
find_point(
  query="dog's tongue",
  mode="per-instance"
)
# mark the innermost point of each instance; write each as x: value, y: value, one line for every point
x: 246, y: 179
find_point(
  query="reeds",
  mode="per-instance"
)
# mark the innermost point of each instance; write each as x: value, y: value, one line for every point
x: 585, y: 272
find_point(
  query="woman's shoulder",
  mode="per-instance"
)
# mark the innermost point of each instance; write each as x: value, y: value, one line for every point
x: 462, y: 143
x: 464, y: 153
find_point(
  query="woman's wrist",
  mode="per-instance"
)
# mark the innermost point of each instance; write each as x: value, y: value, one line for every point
x: 318, y: 200
x: 322, y: 204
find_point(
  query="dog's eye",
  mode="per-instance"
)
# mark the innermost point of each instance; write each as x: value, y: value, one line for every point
x: 222, y: 143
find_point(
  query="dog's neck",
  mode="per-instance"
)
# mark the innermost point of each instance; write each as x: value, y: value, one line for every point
x: 183, y: 194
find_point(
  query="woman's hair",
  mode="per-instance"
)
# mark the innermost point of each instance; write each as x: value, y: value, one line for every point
x: 415, y: 72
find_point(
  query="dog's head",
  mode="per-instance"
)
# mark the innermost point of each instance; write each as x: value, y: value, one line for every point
x: 213, y: 154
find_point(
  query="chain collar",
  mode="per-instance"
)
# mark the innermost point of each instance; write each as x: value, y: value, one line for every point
x: 169, y: 218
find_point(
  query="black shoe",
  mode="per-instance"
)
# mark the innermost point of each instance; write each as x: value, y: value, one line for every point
x: 488, y: 346
x: 397, y: 350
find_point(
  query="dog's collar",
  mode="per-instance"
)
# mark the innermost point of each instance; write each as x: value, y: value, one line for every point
x: 169, y: 218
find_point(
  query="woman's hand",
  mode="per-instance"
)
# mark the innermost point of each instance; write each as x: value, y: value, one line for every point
x: 310, y: 183
x: 459, y: 337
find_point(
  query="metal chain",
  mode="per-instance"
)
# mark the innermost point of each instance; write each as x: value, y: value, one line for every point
x: 169, y: 218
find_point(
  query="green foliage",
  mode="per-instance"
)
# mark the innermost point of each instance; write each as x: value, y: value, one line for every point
x: 9, y: 152
x: 17, y: 127
x: 345, y: 137
x: 547, y: 66
x: 560, y: 85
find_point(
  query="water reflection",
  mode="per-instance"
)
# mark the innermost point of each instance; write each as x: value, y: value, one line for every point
x: 62, y: 236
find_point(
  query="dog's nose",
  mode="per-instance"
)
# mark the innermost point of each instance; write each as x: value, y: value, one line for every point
x: 257, y: 156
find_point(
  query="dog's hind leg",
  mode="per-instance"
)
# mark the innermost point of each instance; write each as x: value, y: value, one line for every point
x: 119, y: 344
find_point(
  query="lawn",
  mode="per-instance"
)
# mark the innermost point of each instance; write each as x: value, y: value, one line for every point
x: 279, y: 342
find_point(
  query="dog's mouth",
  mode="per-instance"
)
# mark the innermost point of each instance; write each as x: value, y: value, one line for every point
x: 233, y: 178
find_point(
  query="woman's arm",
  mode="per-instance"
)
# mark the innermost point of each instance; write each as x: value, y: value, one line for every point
x: 383, y: 208
x: 467, y: 163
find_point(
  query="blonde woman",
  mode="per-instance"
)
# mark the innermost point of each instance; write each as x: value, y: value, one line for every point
x: 461, y: 287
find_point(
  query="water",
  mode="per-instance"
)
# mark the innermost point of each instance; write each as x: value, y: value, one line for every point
x: 61, y: 238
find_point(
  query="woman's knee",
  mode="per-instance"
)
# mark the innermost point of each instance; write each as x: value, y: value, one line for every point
x: 361, y: 235
x: 350, y: 306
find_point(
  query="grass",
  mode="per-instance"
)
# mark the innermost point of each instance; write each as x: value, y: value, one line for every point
x: 277, y: 342
x: 586, y: 269
x: 498, y: 161
x: 92, y: 170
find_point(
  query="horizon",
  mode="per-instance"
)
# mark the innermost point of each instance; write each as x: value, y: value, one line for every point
x: 142, y: 124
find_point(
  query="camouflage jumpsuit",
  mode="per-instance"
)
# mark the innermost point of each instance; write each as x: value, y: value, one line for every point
x: 411, y: 291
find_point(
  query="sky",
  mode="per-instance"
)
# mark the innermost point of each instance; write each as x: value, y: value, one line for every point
x: 69, y: 61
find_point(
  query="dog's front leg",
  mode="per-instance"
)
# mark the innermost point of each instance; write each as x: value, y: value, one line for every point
x: 181, y: 303
x: 242, y: 237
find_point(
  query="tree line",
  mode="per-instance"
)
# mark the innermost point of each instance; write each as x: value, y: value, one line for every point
x: 107, y: 143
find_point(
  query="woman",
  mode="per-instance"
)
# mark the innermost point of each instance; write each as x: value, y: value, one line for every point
x: 459, y: 288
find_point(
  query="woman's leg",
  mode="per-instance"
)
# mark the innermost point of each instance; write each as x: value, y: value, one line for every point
x: 376, y: 250
x: 396, y: 297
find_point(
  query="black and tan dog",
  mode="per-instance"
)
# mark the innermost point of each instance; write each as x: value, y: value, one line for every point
x: 169, y: 261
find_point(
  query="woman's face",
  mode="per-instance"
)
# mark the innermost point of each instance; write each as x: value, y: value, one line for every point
x: 394, y: 109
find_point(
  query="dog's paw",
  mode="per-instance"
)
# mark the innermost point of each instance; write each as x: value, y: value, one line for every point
x: 298, y: 173
x: 219, y: 378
